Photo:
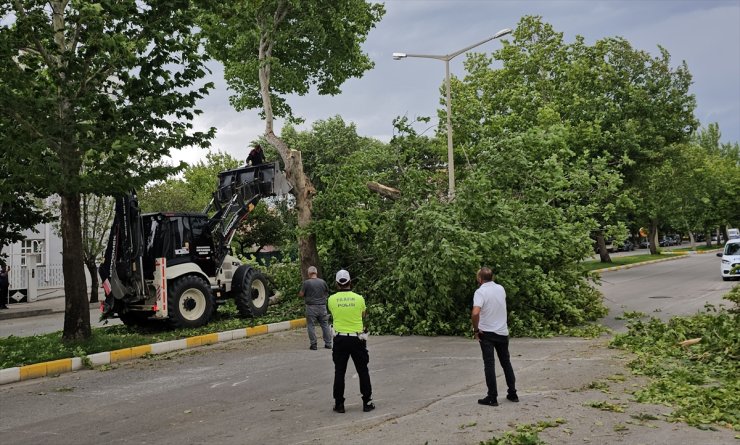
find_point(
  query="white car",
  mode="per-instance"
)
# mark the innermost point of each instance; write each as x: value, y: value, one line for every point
x: 730, y: 260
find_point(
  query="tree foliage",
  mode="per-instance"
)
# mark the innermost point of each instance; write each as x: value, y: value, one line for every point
x: 624, y: 108
x: 94, y: 94
x: 307, y: 43
x: 19, y: 210
x: 415, y: 257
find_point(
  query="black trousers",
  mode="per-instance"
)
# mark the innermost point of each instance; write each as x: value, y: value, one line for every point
x: 344, y: 348
x: 4, y: 296
x: 490, y: 342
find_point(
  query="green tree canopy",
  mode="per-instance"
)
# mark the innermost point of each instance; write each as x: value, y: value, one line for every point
x: 96, y: 93
x: 623, y: 107
x: 415, y: 257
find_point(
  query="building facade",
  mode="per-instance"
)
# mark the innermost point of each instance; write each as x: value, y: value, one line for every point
x: 35, y: 265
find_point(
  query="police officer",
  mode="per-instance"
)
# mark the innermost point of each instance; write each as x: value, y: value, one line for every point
x: 350, y: 340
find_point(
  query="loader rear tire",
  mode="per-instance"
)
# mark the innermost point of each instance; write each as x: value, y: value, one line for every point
x: 251, y: 291
x: 190, y: 302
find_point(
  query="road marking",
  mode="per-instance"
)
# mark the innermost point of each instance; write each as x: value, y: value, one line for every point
x: 239, y: 383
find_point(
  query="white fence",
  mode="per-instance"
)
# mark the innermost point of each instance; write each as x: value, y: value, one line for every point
x: 48, y: 280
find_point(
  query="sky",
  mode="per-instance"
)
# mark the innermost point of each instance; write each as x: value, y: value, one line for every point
x: 704, y: 33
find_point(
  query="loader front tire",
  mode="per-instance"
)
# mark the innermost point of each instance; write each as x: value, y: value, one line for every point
x: 251, y: 292
x: 190, y: 302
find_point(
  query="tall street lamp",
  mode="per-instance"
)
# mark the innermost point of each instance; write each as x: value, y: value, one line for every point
x: 446, y: 58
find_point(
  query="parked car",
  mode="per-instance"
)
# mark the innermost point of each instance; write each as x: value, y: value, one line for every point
x: 730, y: 265
x: 626, y: 246
x: 676, y: 240
x: 733, y: 233
x: 644, y: 244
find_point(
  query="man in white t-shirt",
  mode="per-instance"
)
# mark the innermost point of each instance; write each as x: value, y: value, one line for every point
x: 491, y: 331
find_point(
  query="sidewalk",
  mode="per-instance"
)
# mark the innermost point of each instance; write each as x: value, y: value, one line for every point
x: 35, y: 308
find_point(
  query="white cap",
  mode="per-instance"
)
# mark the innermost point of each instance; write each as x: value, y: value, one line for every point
x: 343, y: 277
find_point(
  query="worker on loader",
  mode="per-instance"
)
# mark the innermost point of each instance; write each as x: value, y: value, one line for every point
x: 256, y: 156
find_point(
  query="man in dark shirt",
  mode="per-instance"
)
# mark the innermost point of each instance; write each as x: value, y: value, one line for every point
x: 315, y: 292
x: 256, y: 156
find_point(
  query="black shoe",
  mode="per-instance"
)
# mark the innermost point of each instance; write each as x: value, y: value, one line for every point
x: 369, y: 406
x: 512, y: 397
x: 313, y: 348
x: 327, y: 346
x: 488, y: 400
x: 339, y: 408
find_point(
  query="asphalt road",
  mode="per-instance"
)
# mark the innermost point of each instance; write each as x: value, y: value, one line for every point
x: 678, y: 287
x: 272, y: 389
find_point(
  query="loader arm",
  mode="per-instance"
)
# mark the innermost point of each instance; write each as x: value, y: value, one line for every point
x: 239, y: 191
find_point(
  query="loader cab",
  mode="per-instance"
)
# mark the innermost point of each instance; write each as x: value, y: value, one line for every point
x: 179, y: 237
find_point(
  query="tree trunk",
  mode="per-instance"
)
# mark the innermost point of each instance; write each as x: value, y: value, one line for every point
x: 93, y: 269
x: 601, y: 244
x: 303, y: 190
x: 653, y: 234
x: 76, y: 307
x: 691, y: 238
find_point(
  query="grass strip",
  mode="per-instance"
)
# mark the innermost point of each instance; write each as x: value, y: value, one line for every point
x: 592, y: 265
x: 19, y: 351
x: 699, y: 248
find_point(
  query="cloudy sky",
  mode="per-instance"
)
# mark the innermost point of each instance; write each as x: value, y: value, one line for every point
x: 704, y: 33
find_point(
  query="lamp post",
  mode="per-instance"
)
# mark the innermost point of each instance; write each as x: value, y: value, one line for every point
x: 446, y: 59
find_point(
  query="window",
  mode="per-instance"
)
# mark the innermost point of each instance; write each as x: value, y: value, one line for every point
x: 32, y: 247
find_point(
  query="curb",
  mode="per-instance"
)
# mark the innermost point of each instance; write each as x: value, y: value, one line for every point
x: 55, y: 367
x: 701, y: 252
x: 24, y: 314
x: 630, y: 266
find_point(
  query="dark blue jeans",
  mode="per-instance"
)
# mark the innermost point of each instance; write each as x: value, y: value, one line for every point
x: 490, y: 342
x: 344, y: 348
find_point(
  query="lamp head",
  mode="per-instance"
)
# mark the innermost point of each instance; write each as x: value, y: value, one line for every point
x: 502, y: 33
x: 399, y: 56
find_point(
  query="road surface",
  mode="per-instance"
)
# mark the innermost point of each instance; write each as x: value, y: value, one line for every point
x: 272, y: 389
x: 678, y: 287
